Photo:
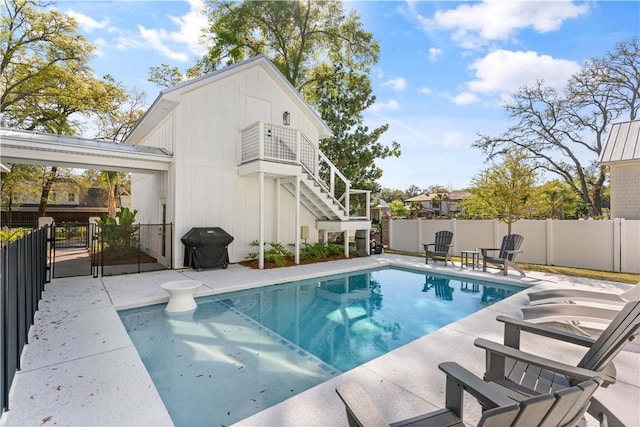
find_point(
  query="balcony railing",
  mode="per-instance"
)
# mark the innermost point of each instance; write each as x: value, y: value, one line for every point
x: 277, y: 143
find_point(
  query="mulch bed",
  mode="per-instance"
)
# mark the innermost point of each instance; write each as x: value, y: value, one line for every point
x: 291, y: 262
x: 143, y: 258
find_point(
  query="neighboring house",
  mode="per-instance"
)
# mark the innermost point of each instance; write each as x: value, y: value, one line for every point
x: 622, y: 154
x: 245, y: 158
x: 425, y: 201
x: 67, y: 203
x: 379, y: 210
x: 452, y: 205
x: 438, y: 205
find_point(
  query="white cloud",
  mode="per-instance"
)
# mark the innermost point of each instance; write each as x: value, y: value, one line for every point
x: 504, y: 71
x: 191, y: 26
x: 188, y: 34
x: 465, y: 98
x: 425, y: 90
x: 397, y: 84
x: 175, y: 45
x: 156, y: 40
x: 379, y: 107
x: 453, y: 139
x: 475, y: 24
x: 86, y: 23
x: 434, y: 53
x: 99, y: 45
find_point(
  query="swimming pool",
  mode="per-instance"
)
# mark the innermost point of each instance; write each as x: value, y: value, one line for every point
x: 243, y: 352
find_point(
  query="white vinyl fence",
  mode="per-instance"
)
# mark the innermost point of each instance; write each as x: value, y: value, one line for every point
x: 609, y: 245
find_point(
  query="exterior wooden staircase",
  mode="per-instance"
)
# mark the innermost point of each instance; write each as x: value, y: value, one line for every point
x: 324, y: 190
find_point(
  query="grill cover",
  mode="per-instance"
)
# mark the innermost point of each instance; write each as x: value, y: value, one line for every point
x: 206, y: 247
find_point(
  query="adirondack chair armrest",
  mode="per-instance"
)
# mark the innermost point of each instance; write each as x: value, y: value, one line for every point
x: 496, y: 354
x: 515, y: 252
x: 483, y: 251
x: 361, y: 411
x: 460, y: 379
x: 513, y: 327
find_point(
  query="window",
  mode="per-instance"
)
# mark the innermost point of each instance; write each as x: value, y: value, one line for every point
x: 72, y: 197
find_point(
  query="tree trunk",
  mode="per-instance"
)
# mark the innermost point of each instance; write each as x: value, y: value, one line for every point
x: 112, y: 200
x: 597, y: 201
x: 9, y: 211
x: 50, y: 178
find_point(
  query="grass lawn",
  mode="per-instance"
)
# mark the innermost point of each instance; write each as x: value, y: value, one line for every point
x: 566, y: 271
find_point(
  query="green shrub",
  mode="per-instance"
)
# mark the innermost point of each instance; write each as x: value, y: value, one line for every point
x: 8, y: 235
x: 318, y: 251
x: 277, y: 253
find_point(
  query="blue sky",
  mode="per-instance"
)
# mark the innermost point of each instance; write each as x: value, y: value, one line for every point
x: 445, y: 70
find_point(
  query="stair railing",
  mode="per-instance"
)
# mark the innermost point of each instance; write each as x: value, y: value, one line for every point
x: 274, y: 142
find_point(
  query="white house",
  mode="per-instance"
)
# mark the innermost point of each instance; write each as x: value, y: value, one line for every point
x: 245, y: 158
x: 622, y: 154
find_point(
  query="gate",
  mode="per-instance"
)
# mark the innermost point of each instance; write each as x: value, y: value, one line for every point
x: 131, y: 248
x: 70, y: 249
x: 83, y: 249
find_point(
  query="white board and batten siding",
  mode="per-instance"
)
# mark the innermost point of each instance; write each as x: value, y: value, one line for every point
x: 204, y: 129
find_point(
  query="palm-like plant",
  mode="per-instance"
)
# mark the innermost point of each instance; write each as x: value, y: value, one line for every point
x: 112, y: 181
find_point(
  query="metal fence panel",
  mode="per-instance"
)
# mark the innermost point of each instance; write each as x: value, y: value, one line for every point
x: 4, y: 385
x: 23, y: 275
x: 126, y: 249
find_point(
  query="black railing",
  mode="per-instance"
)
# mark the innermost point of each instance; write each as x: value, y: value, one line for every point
x: 72, y: 234
x: 135, y: 248
x: 23, y: 274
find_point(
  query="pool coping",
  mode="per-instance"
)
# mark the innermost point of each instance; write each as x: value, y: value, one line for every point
x: 103, y: 381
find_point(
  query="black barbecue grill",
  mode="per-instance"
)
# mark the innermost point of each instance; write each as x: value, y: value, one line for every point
x: 206, y: 247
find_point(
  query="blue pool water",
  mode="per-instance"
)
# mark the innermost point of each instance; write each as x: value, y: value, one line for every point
x: 243, y: 352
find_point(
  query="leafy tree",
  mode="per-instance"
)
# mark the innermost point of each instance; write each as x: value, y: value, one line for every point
x: 17, y: 182
x: 115, y: 123
x: 340, y: 97
x: 414, y: 208
x: 398, y: 209
x: 45, y: 77
x: 112, y: 181
x: 388, y: 194
x: 304, y: 39
x: 296, y: 36
x: 44, y: 72
x: 166, y: 75
x: 436, y: 188
x: 503, y: 191
x: 555, y: 200
x: 553, y: 128
x: 438, y: 199
x: 413, y: 190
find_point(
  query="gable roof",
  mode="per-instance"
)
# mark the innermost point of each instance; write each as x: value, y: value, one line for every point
x: 420, y: 198
x: 623, y: 144
x: 170, y: 97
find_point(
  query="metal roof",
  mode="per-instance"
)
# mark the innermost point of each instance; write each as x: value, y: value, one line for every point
x: 623, y: 144
x: 19, y: 146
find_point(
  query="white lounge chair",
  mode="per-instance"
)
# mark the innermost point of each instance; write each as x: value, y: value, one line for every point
x: 573, y: 295
x: 570, y: 313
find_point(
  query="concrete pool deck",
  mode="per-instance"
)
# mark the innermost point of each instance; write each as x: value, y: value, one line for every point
x: 81, y: 368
